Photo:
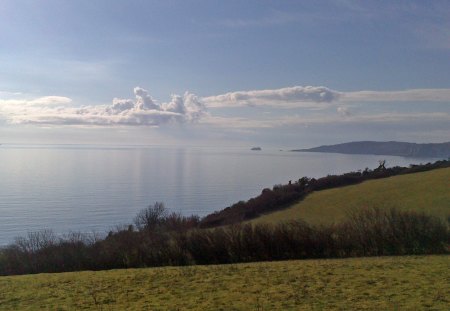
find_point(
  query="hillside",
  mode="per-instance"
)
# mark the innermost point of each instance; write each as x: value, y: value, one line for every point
x: 392, y: 148
x: 281, y: 197
x: 383, y: 283
x: 425, y: 191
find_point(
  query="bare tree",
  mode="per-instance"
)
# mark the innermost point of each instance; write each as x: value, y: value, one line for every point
x: 36, y: 241
x: 382, y: 164
x: 150, y: 217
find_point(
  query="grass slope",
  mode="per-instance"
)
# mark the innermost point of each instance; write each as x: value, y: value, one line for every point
x: 386, y: 283
x: 427, y: 191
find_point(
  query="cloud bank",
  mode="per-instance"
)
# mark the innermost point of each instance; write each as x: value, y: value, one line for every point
x: 143, y: 110
x: 334, y: 106
x: 298, y: 120
x: 314, y: 96
x: 288, y: 97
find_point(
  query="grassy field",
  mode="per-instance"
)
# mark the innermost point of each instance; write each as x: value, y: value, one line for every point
x: 386, y: 283
x: 427, y: 191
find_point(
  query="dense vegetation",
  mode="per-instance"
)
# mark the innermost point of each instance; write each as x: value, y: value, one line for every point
x: 159, y: 239
x: 282, y: 196
x: 377, y: 283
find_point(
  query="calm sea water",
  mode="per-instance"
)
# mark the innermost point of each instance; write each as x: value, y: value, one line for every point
x: 92, y: 188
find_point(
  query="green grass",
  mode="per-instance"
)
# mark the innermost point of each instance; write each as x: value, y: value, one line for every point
x: 428, y: 192
x: 386, y: 283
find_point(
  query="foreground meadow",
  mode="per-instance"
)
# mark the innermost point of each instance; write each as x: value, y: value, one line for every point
x: 384, y: 283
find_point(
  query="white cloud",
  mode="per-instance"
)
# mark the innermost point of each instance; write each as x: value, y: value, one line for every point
x: 41, y: 101
x: 50, y: 101
x: 8, y: 93
x: 275, y: 18
x: 143, y: 100
x: 146, y: 111
x: 53, y: 110
x: 318, y: 96
x: 296, y: 120
x: 288, y: 97
x: 344, y: 111
x: 390, y: 117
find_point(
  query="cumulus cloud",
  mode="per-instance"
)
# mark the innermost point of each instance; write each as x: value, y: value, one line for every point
x: 143, y: 100
x: 289, y: 97
x: 143, y: 110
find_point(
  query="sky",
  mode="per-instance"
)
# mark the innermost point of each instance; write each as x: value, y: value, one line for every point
x: 285, y: 74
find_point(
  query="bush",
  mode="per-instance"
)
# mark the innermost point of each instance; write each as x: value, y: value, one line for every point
x: 376, y: 232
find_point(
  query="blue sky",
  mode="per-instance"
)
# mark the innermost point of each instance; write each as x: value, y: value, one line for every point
x: 279, y: 73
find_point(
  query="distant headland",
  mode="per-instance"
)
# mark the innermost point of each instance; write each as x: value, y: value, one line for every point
x: 392, y: 148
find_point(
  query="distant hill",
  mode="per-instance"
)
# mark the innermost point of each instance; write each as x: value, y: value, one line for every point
x: 393, y: 148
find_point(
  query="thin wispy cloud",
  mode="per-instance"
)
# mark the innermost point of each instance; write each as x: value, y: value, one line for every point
x: 344, y: 111
x: 274, y: 18
x: 298, y: 120
x: 9, y: 93
x: 307, y: 96
x: 288, y: 97
x: 10, y: 109
x: 413, y: 95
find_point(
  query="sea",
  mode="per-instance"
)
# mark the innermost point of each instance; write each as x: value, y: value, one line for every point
x: 95, y: 188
